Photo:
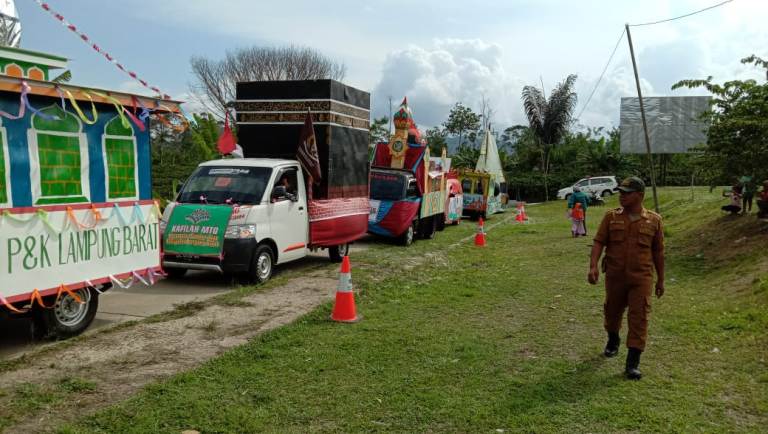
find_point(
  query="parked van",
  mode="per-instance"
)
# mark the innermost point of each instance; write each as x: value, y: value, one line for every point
x: 593, y: 186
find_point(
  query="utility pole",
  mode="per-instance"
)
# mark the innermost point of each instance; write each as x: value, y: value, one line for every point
x: 642, y: 116
x: 390, y: 115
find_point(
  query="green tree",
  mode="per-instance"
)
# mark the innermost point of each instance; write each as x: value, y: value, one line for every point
x: 176, y: 154
x: 600, y: 154
x: 465, y: 157
x: 436, y: 140
x: 203, y: 137
x: 737, y: 139
x: 461, y: 119
x: 549, y: 120
x: 378, y: 131
x: 511, y: 135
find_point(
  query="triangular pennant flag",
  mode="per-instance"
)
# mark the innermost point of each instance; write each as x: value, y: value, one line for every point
x: 307, y: 150
x: 226, y: 143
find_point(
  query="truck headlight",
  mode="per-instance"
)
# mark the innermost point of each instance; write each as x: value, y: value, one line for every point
x: 240, y: 231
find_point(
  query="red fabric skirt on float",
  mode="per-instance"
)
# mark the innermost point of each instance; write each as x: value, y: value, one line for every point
x: 337, y: 221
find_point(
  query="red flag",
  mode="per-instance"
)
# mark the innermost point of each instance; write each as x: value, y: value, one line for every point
x: 226, y: 143
x: 307, y: 150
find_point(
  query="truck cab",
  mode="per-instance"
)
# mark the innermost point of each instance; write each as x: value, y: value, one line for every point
x: 394, y: 205
x: 268, y: 222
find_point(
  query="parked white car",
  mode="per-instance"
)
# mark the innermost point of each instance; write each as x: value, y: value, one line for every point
x: 598, y: 185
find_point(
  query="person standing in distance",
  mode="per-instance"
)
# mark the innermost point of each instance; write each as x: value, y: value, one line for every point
x: 633, y: 238
x: 579, y: 196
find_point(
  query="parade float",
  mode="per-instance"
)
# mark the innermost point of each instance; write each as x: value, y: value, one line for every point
x: 76, y: 208
x: 302, y: 186
x: 407, y: 198
x: 484, y: 187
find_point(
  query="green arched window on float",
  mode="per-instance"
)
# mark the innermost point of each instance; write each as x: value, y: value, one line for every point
x: 58, y: 158
x: 119, y: 145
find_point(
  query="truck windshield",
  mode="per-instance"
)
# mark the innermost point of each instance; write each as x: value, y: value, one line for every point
x: 387, y: 186
x: 221, y: 184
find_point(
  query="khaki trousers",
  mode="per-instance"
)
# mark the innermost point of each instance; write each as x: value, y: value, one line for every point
x: 622, y: 292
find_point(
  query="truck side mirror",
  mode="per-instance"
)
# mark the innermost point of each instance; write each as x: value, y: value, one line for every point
x: 279, y: 192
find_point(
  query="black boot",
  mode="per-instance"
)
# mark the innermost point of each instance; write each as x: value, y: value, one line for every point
x: 633, y: 361
x: 612, y: 347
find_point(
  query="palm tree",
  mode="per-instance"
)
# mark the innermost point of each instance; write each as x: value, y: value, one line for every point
x: 549, y: 119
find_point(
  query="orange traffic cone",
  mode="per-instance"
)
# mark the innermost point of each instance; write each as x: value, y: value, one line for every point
x: 344, y: 307
x: 480, y: 235
x: 521, y: 217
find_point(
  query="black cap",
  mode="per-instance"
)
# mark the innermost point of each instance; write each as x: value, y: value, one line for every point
x: 633, y: 183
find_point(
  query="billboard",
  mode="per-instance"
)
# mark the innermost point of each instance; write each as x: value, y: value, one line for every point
x: 674, y: 124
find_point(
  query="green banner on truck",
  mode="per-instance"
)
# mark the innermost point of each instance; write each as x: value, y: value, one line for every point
x: 196, y: 229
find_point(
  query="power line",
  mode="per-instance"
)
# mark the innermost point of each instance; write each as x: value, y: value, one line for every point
x: 621, y: 36
x: 637, y: 25
x: 682, y: 16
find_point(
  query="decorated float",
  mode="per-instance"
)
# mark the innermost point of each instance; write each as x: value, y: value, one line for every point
x: 302, y: 186
x: 484, y: 188
x: 407, y: 198
x: 76, y: 208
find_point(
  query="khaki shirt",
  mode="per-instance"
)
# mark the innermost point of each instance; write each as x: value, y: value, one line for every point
x: 630, y: 245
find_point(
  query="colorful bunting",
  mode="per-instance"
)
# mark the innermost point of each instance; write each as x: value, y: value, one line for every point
x: 10, y: 306
x: 42, y: 215
x: 118, y: 107
x: 98, y: 49
x: 22, y: 106
x: 25, y: 102
x: 79, y: 112
x: 63, y: 288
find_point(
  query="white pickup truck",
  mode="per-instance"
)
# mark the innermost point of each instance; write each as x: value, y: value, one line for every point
x: 272, y: 220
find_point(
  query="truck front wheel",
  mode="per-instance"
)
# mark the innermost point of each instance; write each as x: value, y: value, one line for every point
x: 68, y: 317
x: 262, y: 265
x: 407, y: 237
x: 337, y: 253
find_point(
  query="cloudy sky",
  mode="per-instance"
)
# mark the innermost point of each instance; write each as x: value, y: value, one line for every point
x: 436, y: 52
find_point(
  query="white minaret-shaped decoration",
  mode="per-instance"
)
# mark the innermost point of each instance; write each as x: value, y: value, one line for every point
x: 10, y: 26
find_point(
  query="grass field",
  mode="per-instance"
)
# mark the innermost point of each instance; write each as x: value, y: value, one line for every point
x: 462, y: 339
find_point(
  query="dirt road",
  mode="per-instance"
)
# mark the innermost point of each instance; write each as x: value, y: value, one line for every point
x: 120, y: 305
x: 119, y: 361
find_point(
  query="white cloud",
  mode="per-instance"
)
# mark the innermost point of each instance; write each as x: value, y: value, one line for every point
x: 490, y: 46
x: 450, y: 71
x: 603, y: 108
x: 707, y: 44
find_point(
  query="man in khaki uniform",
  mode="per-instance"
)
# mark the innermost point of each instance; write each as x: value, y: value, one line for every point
x: 633, y: 239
